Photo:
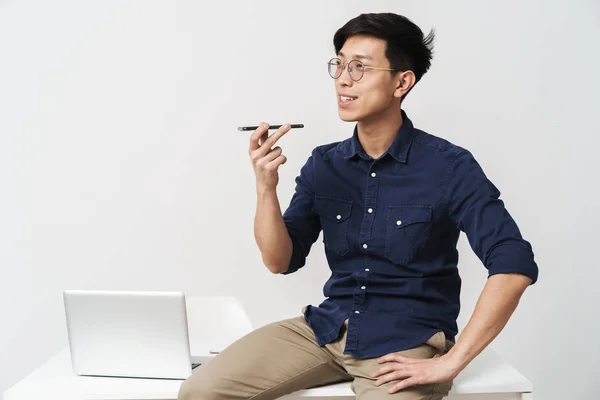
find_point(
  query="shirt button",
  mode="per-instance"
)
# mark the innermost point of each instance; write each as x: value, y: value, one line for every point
x: 363, y: 287
x: 398, y: 222
x: 367, y: 269
x: 365, y: 246
x: 356, y: 312
x: 338, y: 216
x: 373, y: 174
x: 370, y: 210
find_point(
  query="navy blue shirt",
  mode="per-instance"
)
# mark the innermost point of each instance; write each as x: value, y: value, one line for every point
x: 390, y: 228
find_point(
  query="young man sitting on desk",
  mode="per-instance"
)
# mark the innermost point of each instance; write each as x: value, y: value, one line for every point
x: 391, y: 201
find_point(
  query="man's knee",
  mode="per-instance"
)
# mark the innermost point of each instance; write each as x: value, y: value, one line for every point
x: 195, y: 388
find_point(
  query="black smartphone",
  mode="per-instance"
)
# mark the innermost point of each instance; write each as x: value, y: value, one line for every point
x: 253, y: 128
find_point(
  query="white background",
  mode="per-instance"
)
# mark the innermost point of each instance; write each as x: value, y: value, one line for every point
x: 121, y: 166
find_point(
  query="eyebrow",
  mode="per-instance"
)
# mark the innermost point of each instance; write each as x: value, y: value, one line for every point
x: 359, y: 56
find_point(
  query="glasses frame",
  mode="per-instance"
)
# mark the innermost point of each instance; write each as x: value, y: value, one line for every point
x: 347, y: 66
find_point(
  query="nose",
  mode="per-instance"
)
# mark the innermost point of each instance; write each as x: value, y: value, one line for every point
x: 344, y: 79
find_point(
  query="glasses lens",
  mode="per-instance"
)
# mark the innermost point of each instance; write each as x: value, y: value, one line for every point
x: 335, y: 68
x: 356, y: 70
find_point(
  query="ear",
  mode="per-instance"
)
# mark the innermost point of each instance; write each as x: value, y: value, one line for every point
x: 404, y: 81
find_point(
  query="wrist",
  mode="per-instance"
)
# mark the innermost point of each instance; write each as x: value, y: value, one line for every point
x: 455, y: 361
x: 265, y: 191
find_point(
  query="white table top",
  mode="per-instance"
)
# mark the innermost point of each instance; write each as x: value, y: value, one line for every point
x: 55, y: 379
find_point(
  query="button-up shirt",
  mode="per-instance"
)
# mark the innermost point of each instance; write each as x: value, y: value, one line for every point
x: 390, y: 229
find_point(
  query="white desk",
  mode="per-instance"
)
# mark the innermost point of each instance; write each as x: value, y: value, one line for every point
x: 55, y: 379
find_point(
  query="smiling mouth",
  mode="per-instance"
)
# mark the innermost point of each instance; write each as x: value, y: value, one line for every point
x: 347, y: 99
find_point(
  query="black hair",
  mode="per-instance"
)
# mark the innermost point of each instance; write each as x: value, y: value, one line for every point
x: 407, y: 47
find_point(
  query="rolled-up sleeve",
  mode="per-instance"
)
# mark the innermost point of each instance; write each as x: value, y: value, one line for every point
x: 475, y: 207
x: 302, y: 223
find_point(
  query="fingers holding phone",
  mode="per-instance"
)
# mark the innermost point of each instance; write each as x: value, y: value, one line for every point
x: 265, y: 158
x: 260, y: 139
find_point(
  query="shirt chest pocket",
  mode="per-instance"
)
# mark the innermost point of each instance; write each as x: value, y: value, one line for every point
x: 335, y: 218
x: 408, y: 228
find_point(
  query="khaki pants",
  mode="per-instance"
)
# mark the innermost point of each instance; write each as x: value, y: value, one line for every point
x: 283, y: 357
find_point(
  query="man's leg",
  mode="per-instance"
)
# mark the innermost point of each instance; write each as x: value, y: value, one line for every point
x: 272, y: 361
x: 364, y: 386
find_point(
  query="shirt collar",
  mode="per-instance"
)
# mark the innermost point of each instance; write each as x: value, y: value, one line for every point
x: 398, y: 149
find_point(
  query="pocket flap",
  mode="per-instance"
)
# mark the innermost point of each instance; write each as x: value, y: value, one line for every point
x: 331, y: 208
x: 406, y: 214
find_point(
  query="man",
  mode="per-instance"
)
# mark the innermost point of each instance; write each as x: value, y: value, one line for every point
x: 391, y: 201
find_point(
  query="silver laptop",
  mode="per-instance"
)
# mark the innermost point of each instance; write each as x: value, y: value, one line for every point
x: 129, y: 334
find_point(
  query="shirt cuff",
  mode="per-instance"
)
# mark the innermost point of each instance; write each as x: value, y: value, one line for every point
x: 513, y: 258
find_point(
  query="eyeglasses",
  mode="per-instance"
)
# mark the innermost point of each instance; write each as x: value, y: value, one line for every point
x: 356, y: 69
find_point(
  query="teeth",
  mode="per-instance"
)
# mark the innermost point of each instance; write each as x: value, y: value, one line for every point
x: 344, y: 98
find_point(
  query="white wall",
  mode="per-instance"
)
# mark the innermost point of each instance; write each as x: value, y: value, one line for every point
x: 121, y: 166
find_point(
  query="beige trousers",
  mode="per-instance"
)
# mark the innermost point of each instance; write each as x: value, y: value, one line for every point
x: 283, y: 357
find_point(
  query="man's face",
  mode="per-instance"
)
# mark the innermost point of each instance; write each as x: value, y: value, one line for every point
x: 374, y: 92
